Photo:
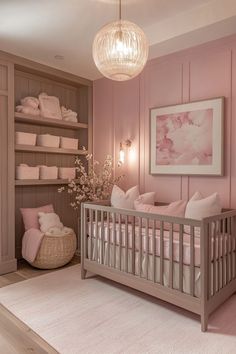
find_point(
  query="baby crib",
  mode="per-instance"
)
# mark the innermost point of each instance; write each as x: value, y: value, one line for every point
x: 186, y: 262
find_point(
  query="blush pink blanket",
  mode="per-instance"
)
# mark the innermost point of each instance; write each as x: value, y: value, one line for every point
x: 30, y: 244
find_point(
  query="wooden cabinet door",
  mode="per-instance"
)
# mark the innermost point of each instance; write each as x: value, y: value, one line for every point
x: 7, y: 178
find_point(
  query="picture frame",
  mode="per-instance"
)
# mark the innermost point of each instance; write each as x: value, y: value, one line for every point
x: 187, y: 139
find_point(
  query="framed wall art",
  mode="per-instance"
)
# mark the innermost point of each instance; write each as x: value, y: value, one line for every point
x: 187, y: 139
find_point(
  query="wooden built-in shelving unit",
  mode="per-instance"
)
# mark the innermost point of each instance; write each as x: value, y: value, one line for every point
x: 39, y: 120
x: 35, y: 193
x: 40, y: 182
x: 49, y: 150
x: 19, y: 78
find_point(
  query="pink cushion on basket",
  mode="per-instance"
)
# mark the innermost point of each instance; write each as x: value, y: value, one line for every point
x: 30, y: 216
x: 173, y: 209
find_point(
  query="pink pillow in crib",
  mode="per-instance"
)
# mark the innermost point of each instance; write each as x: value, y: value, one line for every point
x: 173, y: 209
x: 30, y: 216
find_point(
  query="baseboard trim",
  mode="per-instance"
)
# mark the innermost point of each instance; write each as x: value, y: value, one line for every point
x: 8, y: 266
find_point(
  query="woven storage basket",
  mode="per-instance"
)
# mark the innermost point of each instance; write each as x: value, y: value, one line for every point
x: 55, y: 251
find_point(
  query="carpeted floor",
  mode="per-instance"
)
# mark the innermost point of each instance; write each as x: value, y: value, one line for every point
x: 98, y: 316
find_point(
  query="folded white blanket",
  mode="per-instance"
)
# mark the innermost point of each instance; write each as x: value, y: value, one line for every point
x: 28, y: 110
x: 32, y: 102
x: 70, y: 119
x: 68, y: 115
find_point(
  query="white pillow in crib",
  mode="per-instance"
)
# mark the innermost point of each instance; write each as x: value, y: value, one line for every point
x: 199, y: 208
x: 146, y: 198
x: 124, y: 200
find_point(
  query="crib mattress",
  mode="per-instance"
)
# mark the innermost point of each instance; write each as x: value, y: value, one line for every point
x: 147, y: 241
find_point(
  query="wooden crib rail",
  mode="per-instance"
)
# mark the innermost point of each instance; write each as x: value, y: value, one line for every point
x: 134, y: 213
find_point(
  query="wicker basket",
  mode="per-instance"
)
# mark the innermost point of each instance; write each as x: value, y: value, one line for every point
x: 55, y: 251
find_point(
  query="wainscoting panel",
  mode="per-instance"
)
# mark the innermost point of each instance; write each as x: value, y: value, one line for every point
x: 199, y: 73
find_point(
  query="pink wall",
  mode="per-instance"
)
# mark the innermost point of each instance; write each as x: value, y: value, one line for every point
x: 121, y: 111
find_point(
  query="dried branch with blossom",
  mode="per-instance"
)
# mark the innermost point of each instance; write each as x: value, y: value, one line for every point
x: 92, y: 185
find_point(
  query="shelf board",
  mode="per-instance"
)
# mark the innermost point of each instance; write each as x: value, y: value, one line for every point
x: 31, y: 148
x: 39, y: 120
x: 38, y: 182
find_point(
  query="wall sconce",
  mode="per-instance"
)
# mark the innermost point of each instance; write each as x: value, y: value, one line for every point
x: 126, y: 144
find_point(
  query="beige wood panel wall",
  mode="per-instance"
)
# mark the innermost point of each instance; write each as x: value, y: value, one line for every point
x: 75, y: 98
x: 7, y: 229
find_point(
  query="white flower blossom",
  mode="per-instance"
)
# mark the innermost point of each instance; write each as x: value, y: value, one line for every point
x: 91, y: 184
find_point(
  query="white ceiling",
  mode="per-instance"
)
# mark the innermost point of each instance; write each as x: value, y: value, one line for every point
x: 39, y: 30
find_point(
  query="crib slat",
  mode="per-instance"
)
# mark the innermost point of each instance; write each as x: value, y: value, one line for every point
x: 102, y: 237
x: 181, y: 257
x: 223, y: 254
x: 234, y: 245
x: 192, y: 270
x: 85, y: 233
x: 108, y: 239
x: 171, y: 256
x: 114, y: 239
x: 226, y: 251
x: 232, y: 248
x: 126, y: 244
x: 153, y: 251
x: 219, y: 257
x: 91, y: 234
x: 209, y: 259
x: 229, y: 249
x: 161, y: 251
x: 213, y: 233
x: 120, y: 241
x: 96, y: 236
x: 140, y: 245
x: 147, y: 247
x: 133, y: 244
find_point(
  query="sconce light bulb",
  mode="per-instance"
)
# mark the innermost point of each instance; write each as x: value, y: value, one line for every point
x: 122, y: 156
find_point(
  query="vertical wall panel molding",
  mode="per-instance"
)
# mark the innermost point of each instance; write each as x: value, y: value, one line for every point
x: 231, y: 128
x: 142, y: 105
x: 139, y: 133
x: 185, y: 99
x: 7, y: 230
x: 113, y: 130
x: 199, y: 73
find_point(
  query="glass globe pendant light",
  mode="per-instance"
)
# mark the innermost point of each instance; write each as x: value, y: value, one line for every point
x: 120, y: 49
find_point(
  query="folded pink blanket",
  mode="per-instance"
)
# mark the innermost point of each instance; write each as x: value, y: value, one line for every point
x: 30, y: 244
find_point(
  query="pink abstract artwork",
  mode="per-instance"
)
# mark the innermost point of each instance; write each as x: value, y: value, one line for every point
x: 185, y: 138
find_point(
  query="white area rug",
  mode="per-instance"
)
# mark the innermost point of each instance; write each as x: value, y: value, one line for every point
x: 98, y: 316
